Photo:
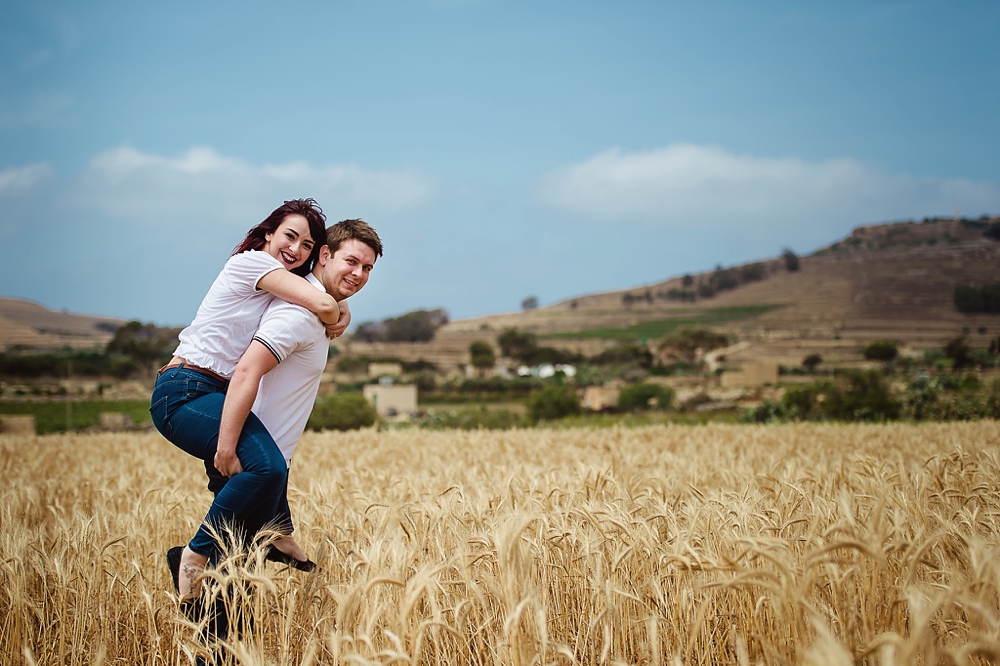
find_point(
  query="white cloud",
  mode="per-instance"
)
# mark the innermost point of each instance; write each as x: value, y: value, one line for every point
x: 16, y: 180
x: 683, y: 184
x: 153, y: 189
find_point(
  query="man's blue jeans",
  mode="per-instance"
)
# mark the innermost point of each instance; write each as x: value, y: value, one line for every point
x: 186, y: 407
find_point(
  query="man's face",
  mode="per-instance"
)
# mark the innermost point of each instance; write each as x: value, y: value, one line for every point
x: 347, y: 270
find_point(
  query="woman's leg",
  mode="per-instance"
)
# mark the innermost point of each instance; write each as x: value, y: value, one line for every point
x: 245, y: 502
x: 187, y: 409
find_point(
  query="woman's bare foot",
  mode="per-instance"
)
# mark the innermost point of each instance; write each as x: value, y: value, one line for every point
x: 192, y: 564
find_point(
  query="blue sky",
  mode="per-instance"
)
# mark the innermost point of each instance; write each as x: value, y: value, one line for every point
x: 502, y: 149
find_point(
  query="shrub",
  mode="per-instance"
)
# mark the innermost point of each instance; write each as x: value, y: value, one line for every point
x: 959, y: 352
x: 556, y: 356
x: 805, y: 402
x: 864, y: 397
x: 685, y: 343
x: 342, y: 411
x: 645, y: 396
x: 553, y: 402
x: 425, y: 382
x: 992, y: 402
x: 860, y: 395
x: 420, y: 365
x: 881, y: 350
x: 754, y: 272
x: 920, y: 401
x: 473, y: 418
x: 679, y: 295
x: 766, y: 412
x: 353, y: 364
x: 971, y: 300
x: 629, y: 352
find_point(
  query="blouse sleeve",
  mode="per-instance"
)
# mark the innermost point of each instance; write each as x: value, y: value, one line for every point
x: 247, y: 268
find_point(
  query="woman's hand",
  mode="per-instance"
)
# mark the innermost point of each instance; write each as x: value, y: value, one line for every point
x: 337, y: 330
x: 227, y: 463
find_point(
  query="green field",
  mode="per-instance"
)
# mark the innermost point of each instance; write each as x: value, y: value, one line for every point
x: 62, y: 415
x: 658, y: 328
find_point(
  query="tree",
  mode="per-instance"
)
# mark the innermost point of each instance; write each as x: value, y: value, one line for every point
x: 415, y: 326
x: 993, y: 231
x: 811, y: 361
x: 517, y: 344
x: 994, y: 349
x: 530, y: 303
x: 146, y: 344
x: 482, y: 354
x: 971, y: 300
x: 791, y: 260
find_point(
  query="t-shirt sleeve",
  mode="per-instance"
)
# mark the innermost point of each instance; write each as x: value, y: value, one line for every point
x: 281, y: 328
x: 247, y: 268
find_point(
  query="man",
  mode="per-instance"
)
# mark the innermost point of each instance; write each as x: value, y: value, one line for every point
x: 279, y: 374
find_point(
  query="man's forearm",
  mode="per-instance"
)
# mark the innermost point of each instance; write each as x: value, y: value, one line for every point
x: 239, y: 400
x: 256, y: 362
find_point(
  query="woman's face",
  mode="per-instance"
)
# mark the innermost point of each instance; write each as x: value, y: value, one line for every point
x: 290, y: 243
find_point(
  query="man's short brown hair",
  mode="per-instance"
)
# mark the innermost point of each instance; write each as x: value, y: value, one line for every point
x: 346, y: 230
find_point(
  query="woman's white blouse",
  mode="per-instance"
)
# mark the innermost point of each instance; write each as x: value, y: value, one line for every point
x: 229, y: 315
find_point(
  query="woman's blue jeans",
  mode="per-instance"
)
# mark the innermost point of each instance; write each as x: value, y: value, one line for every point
x: 186, y: 407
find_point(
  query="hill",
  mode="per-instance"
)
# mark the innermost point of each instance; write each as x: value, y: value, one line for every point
x: 894, y: 280
x: 23, y: 323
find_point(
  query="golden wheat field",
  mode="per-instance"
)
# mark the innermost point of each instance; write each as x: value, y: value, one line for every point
x: 797, y: 544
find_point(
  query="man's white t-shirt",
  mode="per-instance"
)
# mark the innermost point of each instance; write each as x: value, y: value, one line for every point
x: 229, y: 314
x: 287, y: 393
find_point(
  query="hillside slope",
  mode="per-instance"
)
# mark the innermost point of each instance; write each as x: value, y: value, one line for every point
x: 893, y: 280
x: 32, y: 325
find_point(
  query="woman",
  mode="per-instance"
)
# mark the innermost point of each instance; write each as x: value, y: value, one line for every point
x: 188, y: 397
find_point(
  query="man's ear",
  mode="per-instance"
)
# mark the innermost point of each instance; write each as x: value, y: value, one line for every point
x: 324, y: 254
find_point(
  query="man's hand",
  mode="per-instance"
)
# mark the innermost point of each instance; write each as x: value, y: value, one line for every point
x: 227, y: 463
x: 337, y: 330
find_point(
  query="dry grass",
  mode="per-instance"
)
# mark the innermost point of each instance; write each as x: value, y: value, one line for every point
x: 662, y: 545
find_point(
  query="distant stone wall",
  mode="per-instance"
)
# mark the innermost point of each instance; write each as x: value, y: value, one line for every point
x: 380, y: 369
x: 597, y: 398
x: 392, y: 400
x: 17, y: 425
x: 114, y: 421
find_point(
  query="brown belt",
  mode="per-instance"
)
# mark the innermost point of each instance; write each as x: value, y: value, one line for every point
x: 204, y: 371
